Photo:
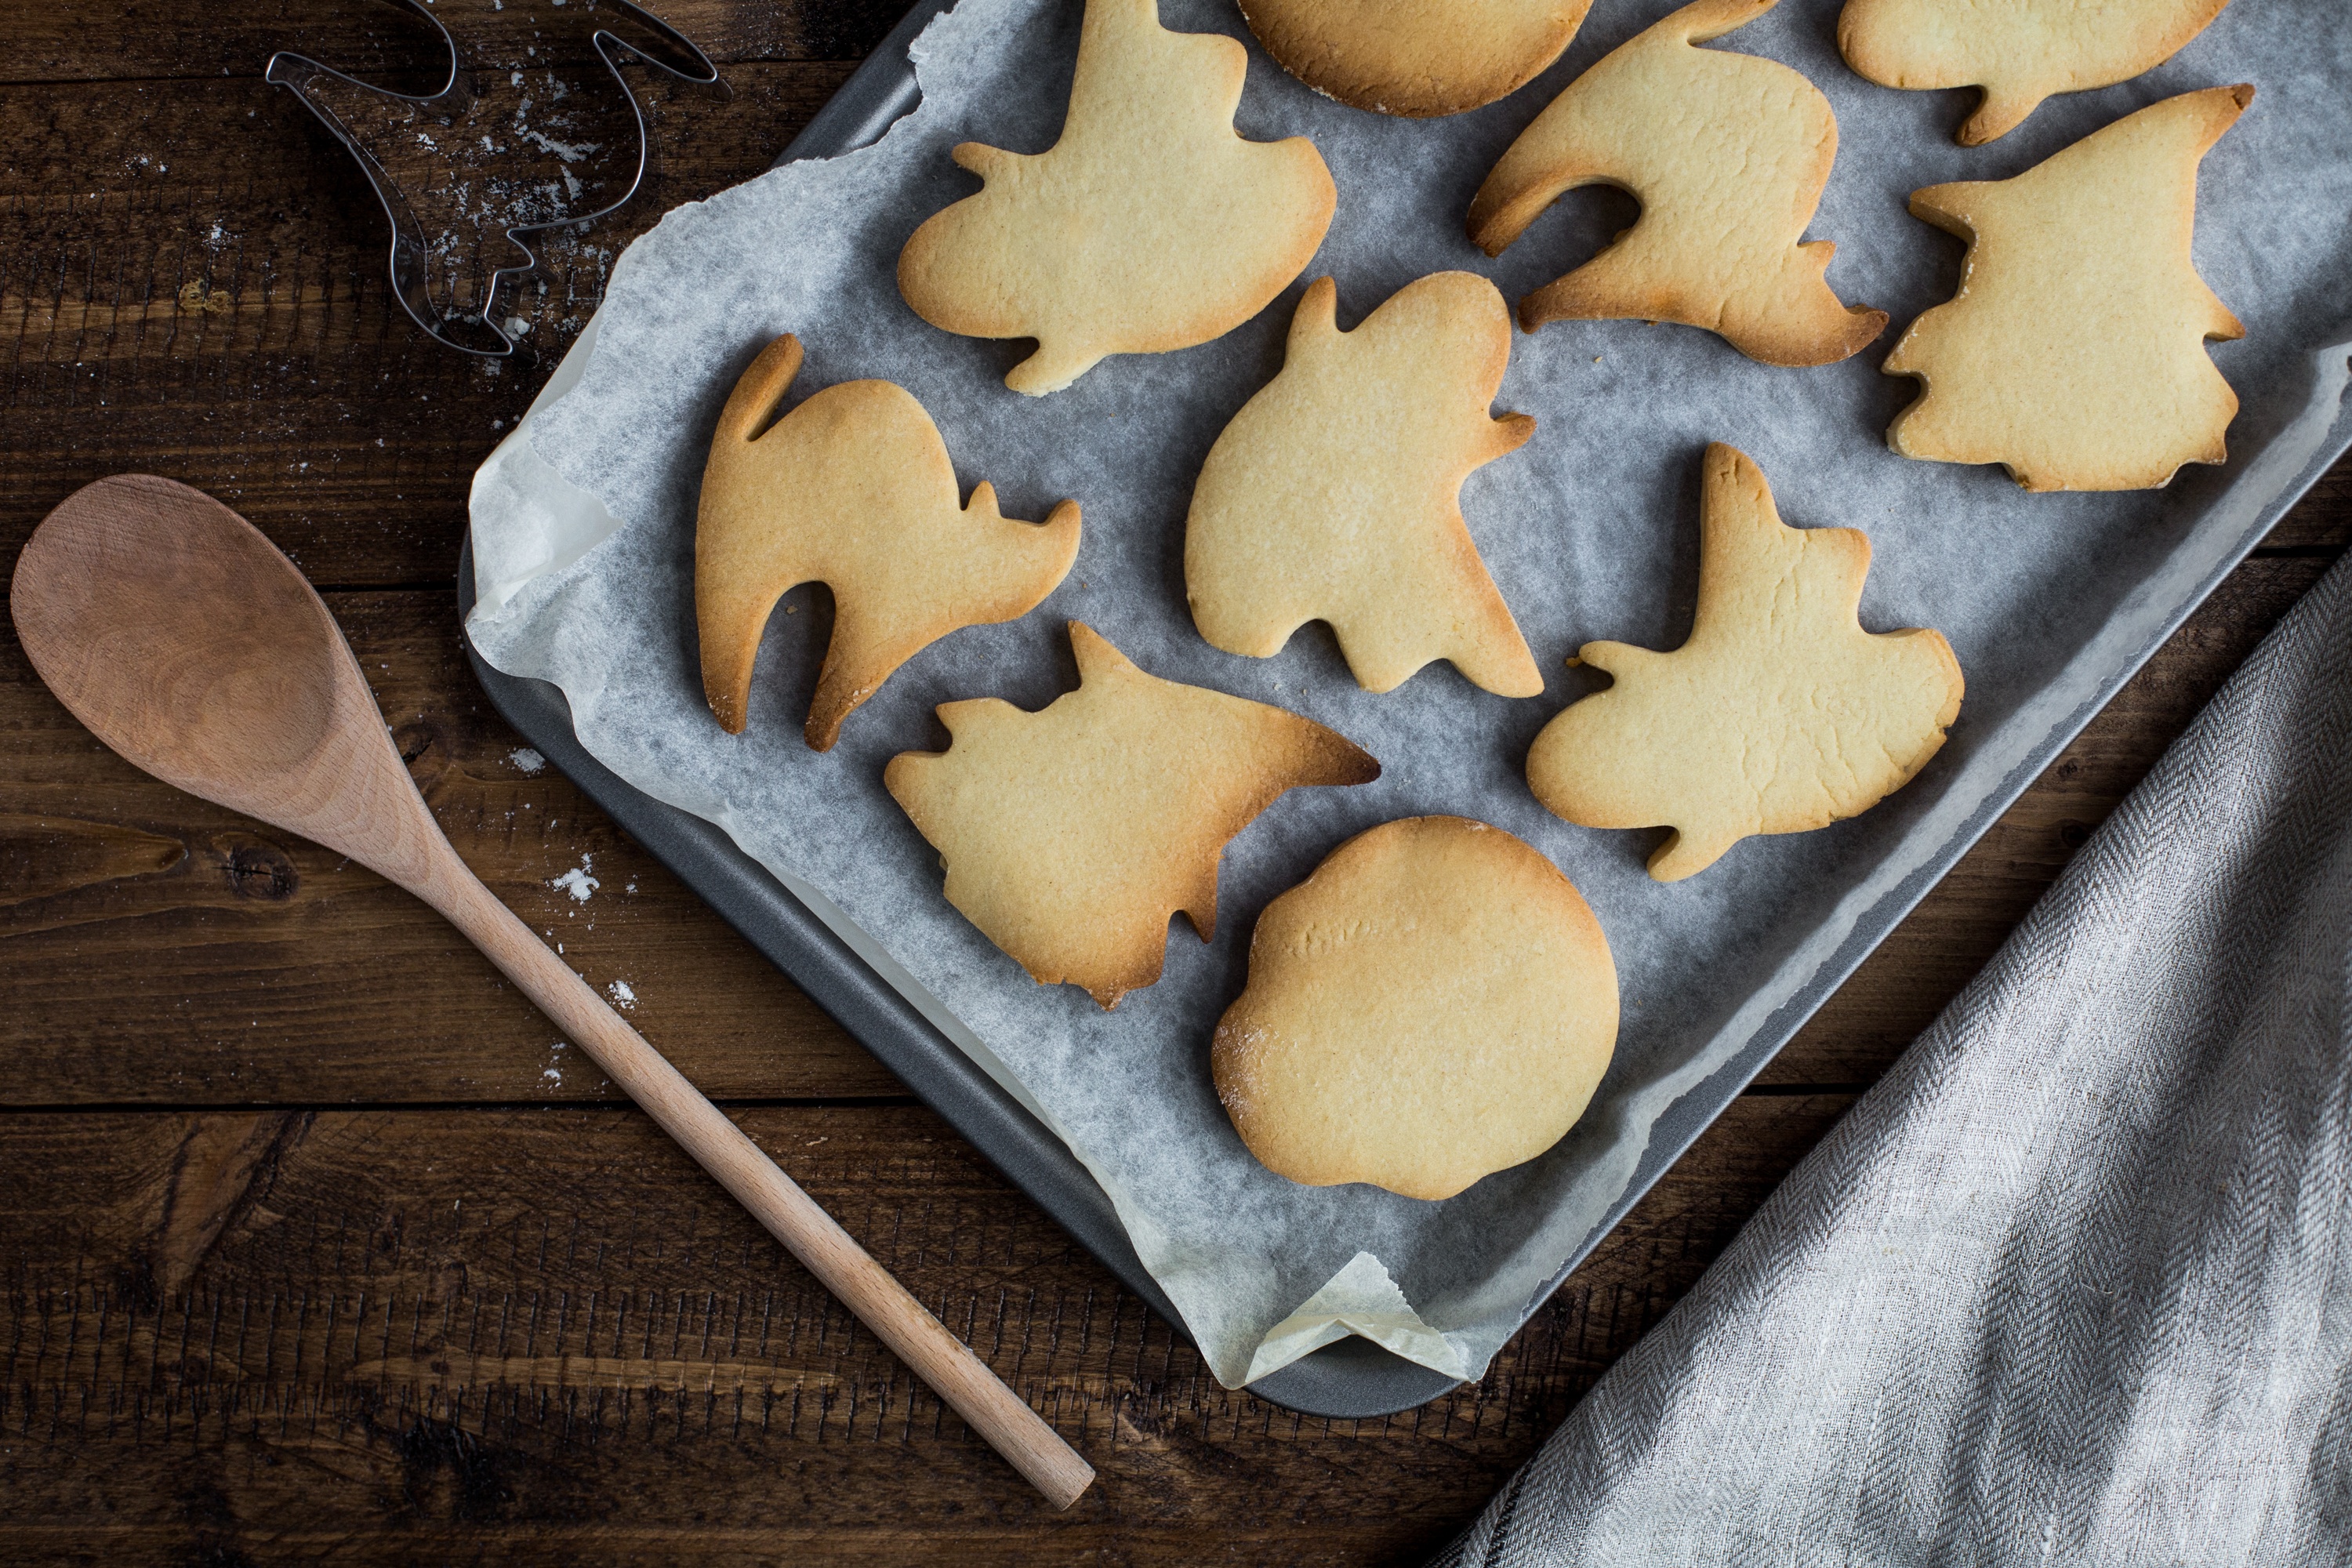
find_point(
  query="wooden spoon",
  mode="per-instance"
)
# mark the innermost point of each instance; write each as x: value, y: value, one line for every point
x: 186, y: 641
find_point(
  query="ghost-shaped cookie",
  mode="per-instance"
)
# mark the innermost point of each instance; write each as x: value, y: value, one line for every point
x: 1149, y: 225
x: 2018, y: 51
x: 1727, y: 154
x: 1334, y: 494
x: 853, y: 488
x: 1780, y: 715
x: 2074, y: 353
x: 1073, y: 833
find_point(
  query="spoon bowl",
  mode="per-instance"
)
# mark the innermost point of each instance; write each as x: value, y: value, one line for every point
x: 182, y: 637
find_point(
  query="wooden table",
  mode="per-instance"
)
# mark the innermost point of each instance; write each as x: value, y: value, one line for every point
x: 317, y: 1243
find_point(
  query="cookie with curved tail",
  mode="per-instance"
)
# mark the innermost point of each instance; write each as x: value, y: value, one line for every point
x: 853, y: 489
x: 1727, y: 154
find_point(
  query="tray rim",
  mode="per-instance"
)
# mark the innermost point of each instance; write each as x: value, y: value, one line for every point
x: 1350, y: 1378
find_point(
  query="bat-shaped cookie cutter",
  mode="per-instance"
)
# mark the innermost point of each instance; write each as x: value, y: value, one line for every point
x: 298, y: 73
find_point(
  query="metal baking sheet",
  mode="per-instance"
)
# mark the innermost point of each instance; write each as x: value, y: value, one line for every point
x: 869, y: 104
x: 1349, y: 1378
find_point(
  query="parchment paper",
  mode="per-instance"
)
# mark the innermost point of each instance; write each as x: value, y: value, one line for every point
x: 1590, y: 531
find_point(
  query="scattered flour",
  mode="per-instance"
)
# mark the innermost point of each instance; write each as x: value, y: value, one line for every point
x: 578, y: 882
x: 527, y: 760
x: 622, y: 996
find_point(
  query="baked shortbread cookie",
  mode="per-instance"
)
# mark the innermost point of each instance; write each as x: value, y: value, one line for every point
x: 1727, y: 154
x: 1149, y: 225
x: 853, y: 489
x: 1780, y: 714
x: 1334, y: 494
x: 1415, y: 58
x: 1433, y: 1004
x: 2018, y: 51
x: 1071, y: 835
x: 2073, y: 354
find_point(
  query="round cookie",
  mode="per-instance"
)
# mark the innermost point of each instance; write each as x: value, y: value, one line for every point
x: 1435, y: 1004
x: 1418, y: 59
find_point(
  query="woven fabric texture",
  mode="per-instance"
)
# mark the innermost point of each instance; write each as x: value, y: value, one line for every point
x: 2072, y: 1284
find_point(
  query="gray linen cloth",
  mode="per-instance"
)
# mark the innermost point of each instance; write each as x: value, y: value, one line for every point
x: 2073, y: 1282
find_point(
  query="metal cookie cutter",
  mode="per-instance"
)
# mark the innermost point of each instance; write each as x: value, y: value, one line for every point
x: 457, y: 111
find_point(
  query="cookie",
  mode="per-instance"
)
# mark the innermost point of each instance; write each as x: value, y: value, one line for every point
x: 1334, y: 494
x: 1149, y: 225
x: 1727, y: 154
x: 2073, y: 354
x: 1071, y: 835
x: 1433, y: 1004
x: 2018, y: 51
x: 853, y: 489
x: 1415, y: 58
x: 1781, y: 714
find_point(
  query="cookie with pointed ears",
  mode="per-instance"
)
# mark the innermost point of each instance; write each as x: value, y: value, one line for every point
x: 1149, y: 225
x: 1435, y: 1004
x: 1727, y: 154
x: 1072, y: 834
x: 1334, y: 495
x: 1780, y: 715
x: 853, y: 489
x: 1415, y: 58
x: 2018, y: 51
x: 2073, y: 354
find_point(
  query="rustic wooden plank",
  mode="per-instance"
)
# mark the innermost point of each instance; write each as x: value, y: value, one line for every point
x: 158, y: 949
x: 224, y: 316
x: 167, y: 951
x: 380, y: 41
x: 545, y: 1336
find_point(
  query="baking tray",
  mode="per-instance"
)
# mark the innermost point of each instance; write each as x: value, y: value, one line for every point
x: 1351, y: 1377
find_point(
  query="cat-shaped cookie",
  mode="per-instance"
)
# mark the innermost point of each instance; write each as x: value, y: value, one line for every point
x: 853, y: 489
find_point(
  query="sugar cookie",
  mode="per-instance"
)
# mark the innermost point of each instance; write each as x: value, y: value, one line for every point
x: 1071, y: 835
x: 1415, y: 58
x: 2073, y: 354
x: 1727, y: 154
x: 2018, y: 51
x: 1779, y: 715
x: 1334, y: 494
x: 1149, y: 225
x: 853, y: 489
x: 1433, y: 1004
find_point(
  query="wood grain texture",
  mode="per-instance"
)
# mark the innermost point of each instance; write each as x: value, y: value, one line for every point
x: 378, y: 40
x: 222, y: 314
x: 192, y: 281
x: 544, y: 1337
x: 192, y: 956
x: 188, y: 643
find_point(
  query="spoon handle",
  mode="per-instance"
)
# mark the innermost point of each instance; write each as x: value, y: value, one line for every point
x: 791, y: 1215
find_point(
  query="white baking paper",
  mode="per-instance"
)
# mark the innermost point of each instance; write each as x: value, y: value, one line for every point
x: 584, y: 533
